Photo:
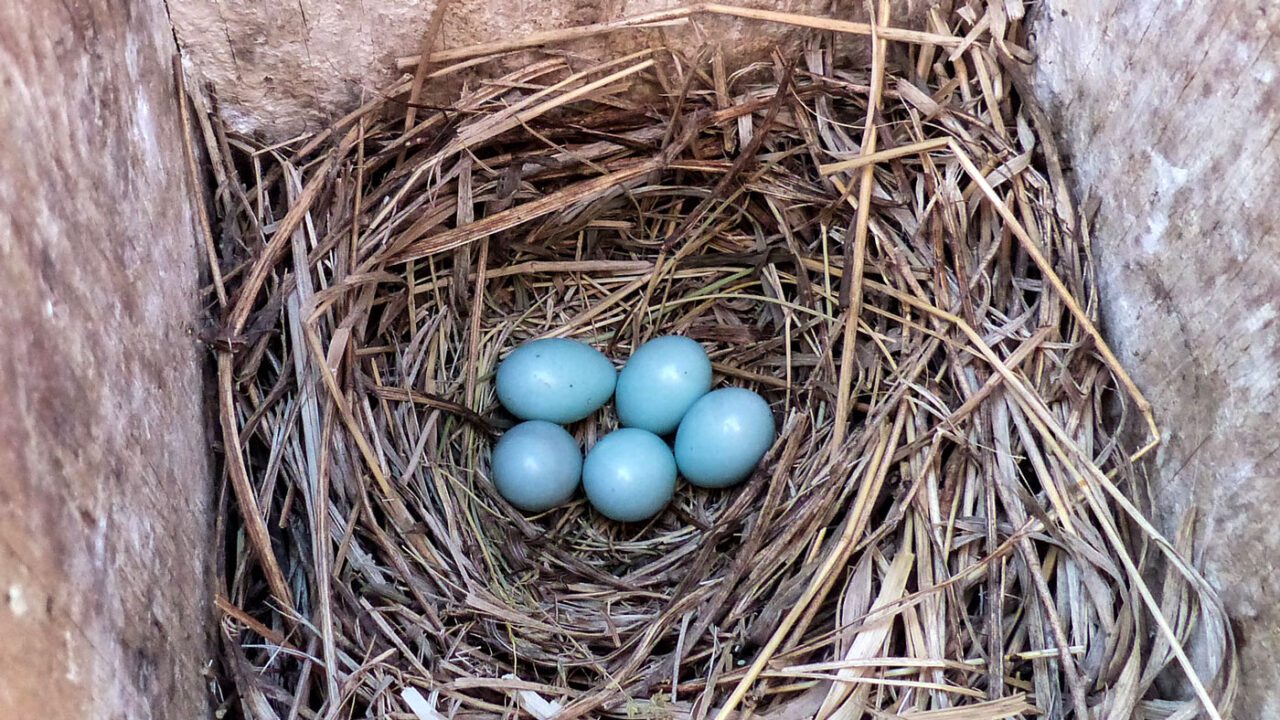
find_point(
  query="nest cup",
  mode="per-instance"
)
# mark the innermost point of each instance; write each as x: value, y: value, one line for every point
x: 911, y: 295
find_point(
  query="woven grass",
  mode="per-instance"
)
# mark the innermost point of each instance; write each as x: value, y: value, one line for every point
x: 950, y: 525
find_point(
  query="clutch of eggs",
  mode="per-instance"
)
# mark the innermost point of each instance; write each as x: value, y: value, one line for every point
x: 630, y: 474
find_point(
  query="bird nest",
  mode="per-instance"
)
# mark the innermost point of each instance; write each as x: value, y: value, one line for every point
x: 949, y: 525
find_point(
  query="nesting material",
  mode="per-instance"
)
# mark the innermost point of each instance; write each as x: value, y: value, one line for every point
x: 872, y: 231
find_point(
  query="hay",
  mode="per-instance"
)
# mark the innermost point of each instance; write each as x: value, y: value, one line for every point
x: 949, y: 527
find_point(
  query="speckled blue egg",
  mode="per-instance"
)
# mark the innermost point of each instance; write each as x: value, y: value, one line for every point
x: 661, y: 381
x: 723, y: 436
x: 629, y: 475
x: 556, y: 380
x: 536, y: 465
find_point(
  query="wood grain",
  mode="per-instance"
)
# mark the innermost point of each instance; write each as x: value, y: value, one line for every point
x: 1169, y: 113
x: 104, y: 481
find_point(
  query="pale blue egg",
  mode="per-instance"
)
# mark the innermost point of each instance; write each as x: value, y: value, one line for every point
x: 556, y: 380
x: 663, y: 378
x: 536, y: 465
x: 629, y: 475
x: 723, y: 436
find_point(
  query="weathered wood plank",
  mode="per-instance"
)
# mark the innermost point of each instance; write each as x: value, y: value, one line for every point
x: 104, y: 480
x: 1169, y: 112
x: 285, y: 68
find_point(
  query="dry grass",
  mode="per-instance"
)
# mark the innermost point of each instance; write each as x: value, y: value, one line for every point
x: 949, y: 526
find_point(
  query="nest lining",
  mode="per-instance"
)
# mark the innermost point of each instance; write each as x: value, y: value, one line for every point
x: 949, y: 525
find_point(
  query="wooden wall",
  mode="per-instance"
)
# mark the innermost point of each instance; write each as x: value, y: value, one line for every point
x: 104, y: 480
x: 1170, y: 113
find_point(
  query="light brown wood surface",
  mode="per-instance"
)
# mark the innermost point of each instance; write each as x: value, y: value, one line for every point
x: 284, y: 68
x: 104, y: 482
x: 1169, y: 113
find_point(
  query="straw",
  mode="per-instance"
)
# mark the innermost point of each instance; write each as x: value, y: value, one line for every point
x: 881, y: 244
